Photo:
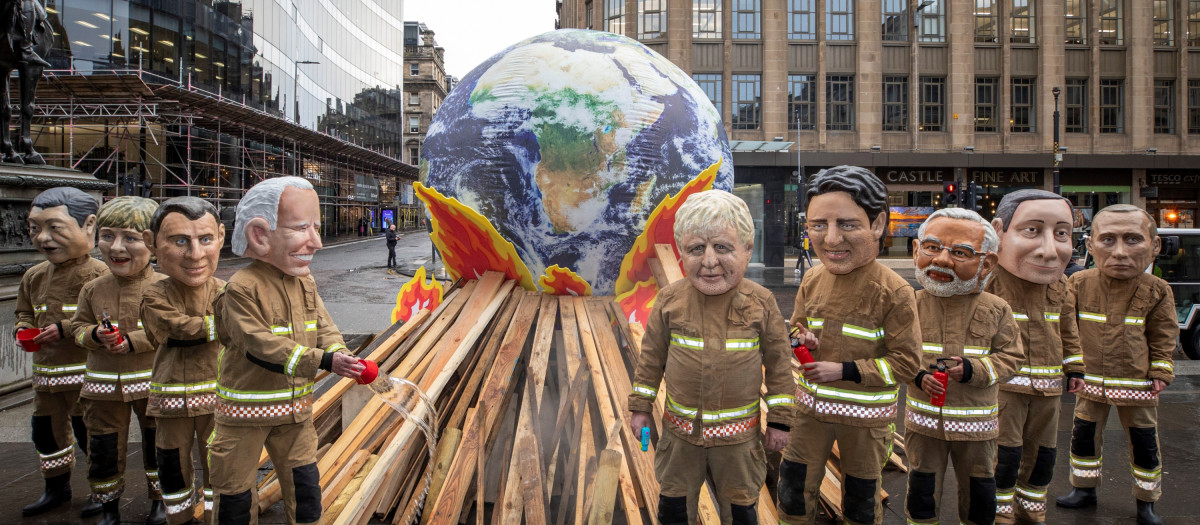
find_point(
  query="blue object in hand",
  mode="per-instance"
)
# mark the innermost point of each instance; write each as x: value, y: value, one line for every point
x: 645, y: 439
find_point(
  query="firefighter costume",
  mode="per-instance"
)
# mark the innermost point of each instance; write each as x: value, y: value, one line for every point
x: 867, y: 320
x: 978, y: 327
x: 114, y: 384
x: 277, y: 335
x: 49, y: 295
x: 712, y: 350
x: 1128, y: 329
x: 1031, y: 399
x: 179, y: 322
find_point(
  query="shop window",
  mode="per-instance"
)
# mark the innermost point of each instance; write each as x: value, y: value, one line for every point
x: 802, y: 102
x: 933, y: 103
x: 985, y: 21
x: 1164, y: 106
x: 614, y: 16
x: 1075, y: 105
x: 747, y: 16
x: 1193, y: 106
x: 710, y: 83
x: 839, y: 19
x: 652, y: 19
x: 1112, y: 95
x: 985, y: 103
x: 839, y: 102
x: 895, y: 103
x: 1023, y: 21
x: 1112, y: 23
x: 706, y: 18
x: 1022, y: 105
x: 747, y: 101
x: 802, y: 19
x: 895, y: 21
x: 1164, y: 22
x: 1075, y: 12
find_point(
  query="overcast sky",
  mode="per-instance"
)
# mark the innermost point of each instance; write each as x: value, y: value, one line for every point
x: 471, y: 31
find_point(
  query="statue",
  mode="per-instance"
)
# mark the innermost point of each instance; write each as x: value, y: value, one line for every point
x: 28, y: 30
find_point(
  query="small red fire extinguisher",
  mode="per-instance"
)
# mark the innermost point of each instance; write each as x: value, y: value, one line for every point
x: 801, y: 351
x: 940, y: 376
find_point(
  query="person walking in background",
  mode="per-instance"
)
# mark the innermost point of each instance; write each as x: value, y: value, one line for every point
x: 391, y: 245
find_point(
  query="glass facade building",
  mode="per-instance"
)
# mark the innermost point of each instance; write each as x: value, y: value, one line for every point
x: 206, y: 97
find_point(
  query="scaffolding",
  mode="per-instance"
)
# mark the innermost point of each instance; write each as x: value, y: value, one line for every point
x: 159, y: 138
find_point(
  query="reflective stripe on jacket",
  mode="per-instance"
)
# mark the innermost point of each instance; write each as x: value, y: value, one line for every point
x: 49, y: 294
x: 179, y: 323
x: 113, y: 377
x: 1045, y: 313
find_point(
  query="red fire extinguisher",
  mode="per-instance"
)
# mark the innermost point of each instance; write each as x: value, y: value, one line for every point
x: 940, y: 376
x: 801, y: 351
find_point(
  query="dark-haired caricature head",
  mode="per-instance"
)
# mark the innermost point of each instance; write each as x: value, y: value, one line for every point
x: 1035, y: 234
x: 62, y: 223
x: 847, y: 217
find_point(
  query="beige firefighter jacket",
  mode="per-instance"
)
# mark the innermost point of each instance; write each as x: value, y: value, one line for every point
x: 1128, y: 329
x: 277, y: 335
x: 49, y: 294
x: 179, y: 324
x: 1049, y: 334
x: 867, y: 320
x: 712, y: 351
x: 113, y: 377
x: 980, y: 329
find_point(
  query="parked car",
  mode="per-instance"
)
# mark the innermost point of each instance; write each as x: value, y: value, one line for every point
x: 1179, y: 264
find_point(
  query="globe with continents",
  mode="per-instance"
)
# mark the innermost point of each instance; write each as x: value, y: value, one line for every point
x: 567, y: 141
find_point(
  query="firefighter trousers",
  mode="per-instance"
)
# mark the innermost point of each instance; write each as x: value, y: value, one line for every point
x: 974, y: 470
x: 235, y: 451
x: 176, y: 469
x: 108, y: 444
x: 1025, y: 455
x: 57, y: 426
x: 1087, y: 441
x: 738, y: 472
x: 863, y: 451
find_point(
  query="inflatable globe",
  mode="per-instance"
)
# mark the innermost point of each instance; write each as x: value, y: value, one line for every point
x: 567, y: 141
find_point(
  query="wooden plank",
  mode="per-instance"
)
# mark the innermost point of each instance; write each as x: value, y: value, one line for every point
x: 331, y: 491
x: 656, y: 270
x: 706, y: 509
x: 540, y: 354
x: 340, y: 503
x: 670, y: 263
x: 605, y: 495
x: 447, y: 446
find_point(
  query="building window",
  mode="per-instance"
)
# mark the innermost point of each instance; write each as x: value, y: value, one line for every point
x: 1023, y: 22
x: 933, y: 22
x: 414, y: 69
x: 1075, y: 12
x: 746, y: 19
x: 985, y: 21
x: 652, y: 19
x: 711, y: 85
x: 1164, y: 106
x: 414, y: 99
x: 802, y: 19
x: 1164, y: 22
x: 933, y: 103
x: 1076, y: 105
x: 895, y: 21
x: 587, y: 15
x: 985, y: 103
x: 895, y: 103
x: 1022, y: 106
x: 1112, y: 94
x: 1112, y: 23
x: 802, y: 102
x: 414, y: 156
x: 747, y: 101
x: 839, y: 102
x: 839, y: 19
x: 1194, y: 106
x: 706, y: 18
x: 614, y: 16
x: 414, y: 124
x: 1193, y: 23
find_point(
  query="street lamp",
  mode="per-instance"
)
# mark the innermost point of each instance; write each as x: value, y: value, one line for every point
x: 296, y: 84
x: 1057, y: 154
x: 914, y: 103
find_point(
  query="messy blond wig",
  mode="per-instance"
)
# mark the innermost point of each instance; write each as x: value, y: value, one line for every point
x: 127, y: 212
x: 712, y: 211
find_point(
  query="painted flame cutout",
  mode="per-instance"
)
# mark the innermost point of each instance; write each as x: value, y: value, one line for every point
x: 469, y: 244
x: 660, y: 229
x: 638, y: 302
x: 563, y: 281
x: 415, y: 295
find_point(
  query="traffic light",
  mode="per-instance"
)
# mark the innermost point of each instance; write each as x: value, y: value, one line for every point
x: 950, y: 194
x: 971, y: 198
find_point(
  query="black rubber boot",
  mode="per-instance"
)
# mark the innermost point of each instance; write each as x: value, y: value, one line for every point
x: 111, y: 513
x: 91, y: 507
x: 58, y: 492
x: 1146, y: 515
x: 1078, y: 498
x: 158, y: 513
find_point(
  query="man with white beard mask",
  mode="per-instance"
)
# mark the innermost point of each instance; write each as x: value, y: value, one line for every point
x: 973, y: 333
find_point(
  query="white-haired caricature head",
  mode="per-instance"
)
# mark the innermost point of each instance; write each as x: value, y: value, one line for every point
x: 279, y: 226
